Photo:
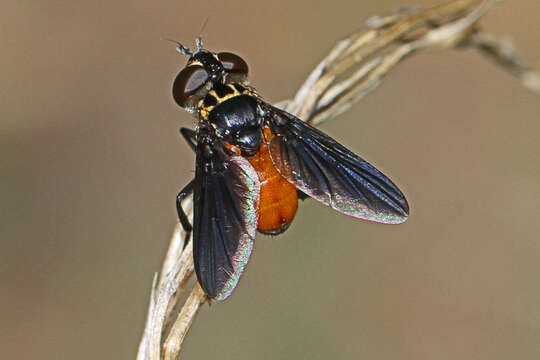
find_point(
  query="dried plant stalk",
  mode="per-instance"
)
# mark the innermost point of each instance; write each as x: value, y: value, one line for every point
x: 353, y: 68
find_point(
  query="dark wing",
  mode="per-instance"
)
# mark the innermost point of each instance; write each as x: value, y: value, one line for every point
x: 226, y: 201
x: 328, y: 172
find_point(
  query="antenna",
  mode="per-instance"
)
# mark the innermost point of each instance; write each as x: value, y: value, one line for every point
x: 198, y: 40
x: 180, y: 48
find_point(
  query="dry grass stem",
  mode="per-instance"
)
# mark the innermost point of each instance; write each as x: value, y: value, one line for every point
x: 353, y: 68
x: 505, y: 53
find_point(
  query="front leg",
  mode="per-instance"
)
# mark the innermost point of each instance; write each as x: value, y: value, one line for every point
x: 190, y: 137
x: 186, y: 225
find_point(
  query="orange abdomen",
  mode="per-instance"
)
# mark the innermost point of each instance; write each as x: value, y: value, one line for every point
x: 278, y: 198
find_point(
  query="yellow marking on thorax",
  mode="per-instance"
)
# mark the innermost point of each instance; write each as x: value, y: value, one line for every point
x: 204, y: 111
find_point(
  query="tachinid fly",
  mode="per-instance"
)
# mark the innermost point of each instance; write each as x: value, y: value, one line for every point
x: 253, y: 162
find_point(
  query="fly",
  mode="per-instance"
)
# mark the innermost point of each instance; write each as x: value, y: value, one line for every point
x: 253, y: 162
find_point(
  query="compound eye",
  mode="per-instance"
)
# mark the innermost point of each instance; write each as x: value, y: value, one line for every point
x: 233, y: 63
x: 188, y: 82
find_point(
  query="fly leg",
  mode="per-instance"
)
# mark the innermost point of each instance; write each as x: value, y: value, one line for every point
x: 302, y: 195
x: 189, y: 135
x: 186, y: 225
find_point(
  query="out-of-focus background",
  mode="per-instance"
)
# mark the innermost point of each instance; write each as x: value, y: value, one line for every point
x: 91, y: 161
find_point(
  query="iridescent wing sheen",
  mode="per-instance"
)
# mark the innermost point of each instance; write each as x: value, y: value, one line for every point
x: 226, y: 199
x: 328, y: 172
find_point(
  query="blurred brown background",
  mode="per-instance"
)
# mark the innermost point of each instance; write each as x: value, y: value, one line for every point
x: 92, y: 160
